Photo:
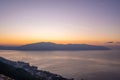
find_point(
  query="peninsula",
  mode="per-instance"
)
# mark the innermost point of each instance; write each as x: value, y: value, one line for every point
x: 23, y: 71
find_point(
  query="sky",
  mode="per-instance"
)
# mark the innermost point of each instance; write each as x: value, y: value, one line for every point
x: 59, y: 21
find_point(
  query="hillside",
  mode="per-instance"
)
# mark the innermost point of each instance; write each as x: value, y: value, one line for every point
x: 23, y: 71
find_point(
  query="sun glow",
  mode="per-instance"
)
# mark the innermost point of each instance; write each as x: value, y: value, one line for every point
x: 44, y: 21
x: 18, y: 40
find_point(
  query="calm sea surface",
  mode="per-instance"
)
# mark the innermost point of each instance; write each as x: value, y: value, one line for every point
x: 90, y: 65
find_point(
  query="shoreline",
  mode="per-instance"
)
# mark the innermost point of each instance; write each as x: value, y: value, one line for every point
x: 23, y: 71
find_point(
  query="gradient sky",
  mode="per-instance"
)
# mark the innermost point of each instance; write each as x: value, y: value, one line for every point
x: 60, y: 21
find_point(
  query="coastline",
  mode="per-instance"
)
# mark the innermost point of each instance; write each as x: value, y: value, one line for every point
x: 23, y: 71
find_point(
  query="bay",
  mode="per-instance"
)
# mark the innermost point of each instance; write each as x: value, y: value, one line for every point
x: 89, y: 65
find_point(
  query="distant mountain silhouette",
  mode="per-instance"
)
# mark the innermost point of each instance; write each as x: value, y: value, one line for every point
x: 54, y: 46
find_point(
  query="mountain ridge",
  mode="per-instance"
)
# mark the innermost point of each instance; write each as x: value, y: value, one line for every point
x: 54, y: 46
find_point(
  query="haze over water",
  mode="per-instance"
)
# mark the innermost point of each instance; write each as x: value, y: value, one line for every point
x: 90, y: 65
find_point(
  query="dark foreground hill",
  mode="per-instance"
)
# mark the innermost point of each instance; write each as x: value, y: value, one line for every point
x: 23, y: 71
x: 54, y: 46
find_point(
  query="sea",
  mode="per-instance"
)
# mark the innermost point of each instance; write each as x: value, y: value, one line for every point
x: 87, y: 65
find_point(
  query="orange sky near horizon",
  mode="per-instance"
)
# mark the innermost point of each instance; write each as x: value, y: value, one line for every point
x: 27, y: 40
x: 23, y: 42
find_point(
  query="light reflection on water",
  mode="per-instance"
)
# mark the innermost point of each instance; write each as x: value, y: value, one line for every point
x: 90, y: 65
